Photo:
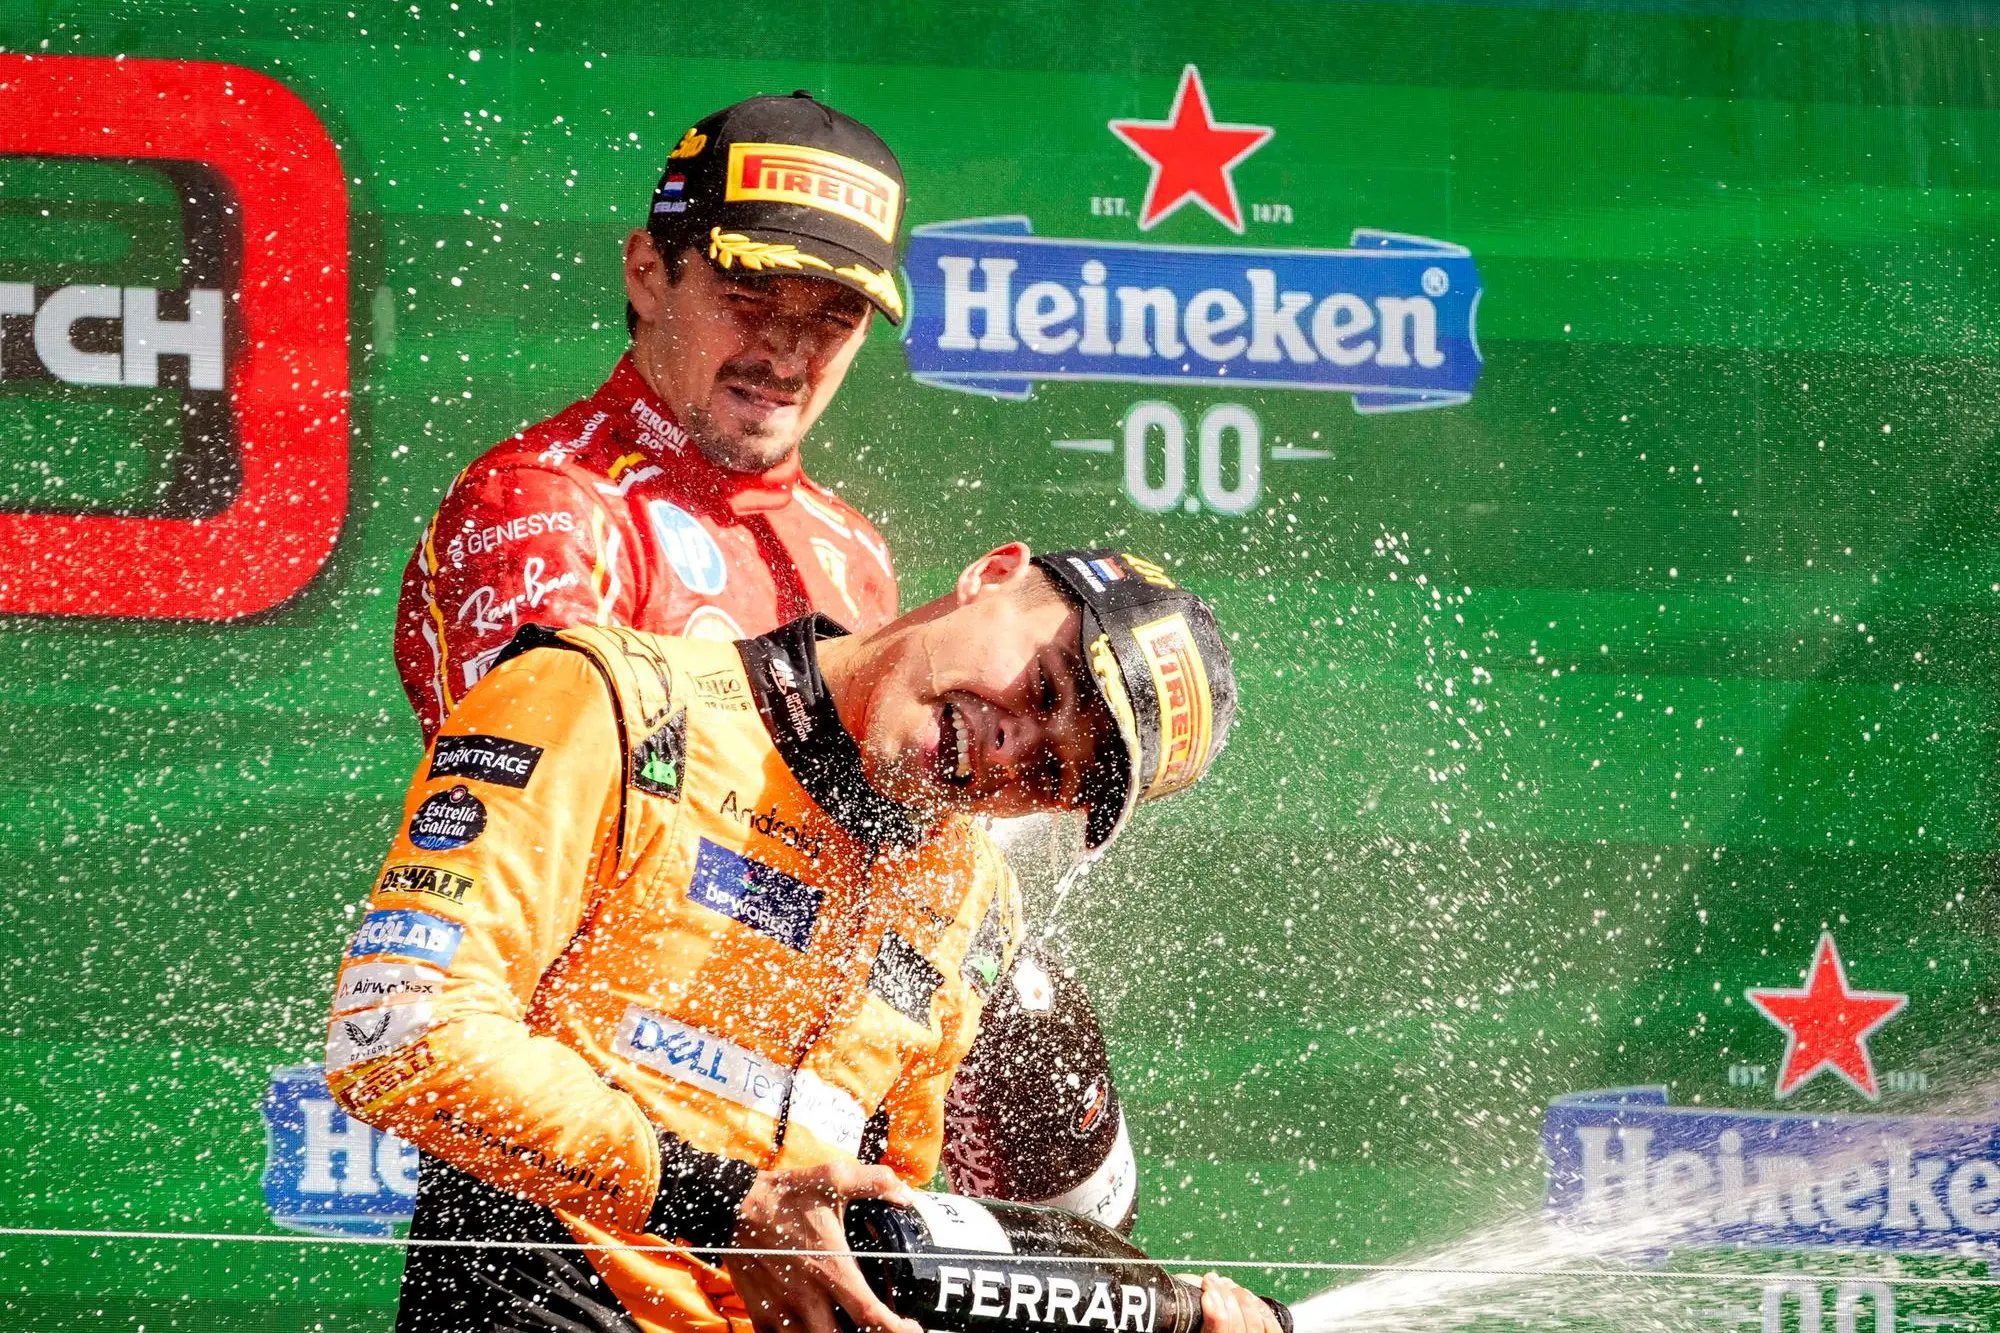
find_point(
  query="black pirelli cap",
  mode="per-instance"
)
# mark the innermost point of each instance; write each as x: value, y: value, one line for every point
x: 786, y: 185
x: 1159, y: 663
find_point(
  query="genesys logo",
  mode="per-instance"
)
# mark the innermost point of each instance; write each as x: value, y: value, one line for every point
x: 252, y: 338
x: 1389, y: 320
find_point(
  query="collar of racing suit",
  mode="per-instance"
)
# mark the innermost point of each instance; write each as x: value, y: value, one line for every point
x: 792, y: 697
x: 742, y: 493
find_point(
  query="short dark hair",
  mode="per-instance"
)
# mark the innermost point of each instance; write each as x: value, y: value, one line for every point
x: 675, y: 258
x: 1042, y: 590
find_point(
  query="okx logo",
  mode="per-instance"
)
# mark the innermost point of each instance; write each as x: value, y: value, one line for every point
x: 173, y: 330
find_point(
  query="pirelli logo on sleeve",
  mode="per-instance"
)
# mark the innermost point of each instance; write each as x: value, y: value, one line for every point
x: 783, y: 173
x: 1187, y: 713
x: 368, y: 1088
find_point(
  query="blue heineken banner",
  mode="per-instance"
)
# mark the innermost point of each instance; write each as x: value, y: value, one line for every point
x: 1391, y: 320
x: 325, y: 1171
x: 1626, y: 1162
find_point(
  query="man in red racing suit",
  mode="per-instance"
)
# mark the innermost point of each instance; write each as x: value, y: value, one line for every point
x: 607, y: 514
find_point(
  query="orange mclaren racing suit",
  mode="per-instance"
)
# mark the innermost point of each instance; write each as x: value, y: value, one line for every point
x: 634, y: 943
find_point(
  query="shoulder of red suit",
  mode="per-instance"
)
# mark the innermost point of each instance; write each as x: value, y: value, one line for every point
x: 578, y: 443
x: 833, y: 501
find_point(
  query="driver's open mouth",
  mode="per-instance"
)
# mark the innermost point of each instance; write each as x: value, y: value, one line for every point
x: 961, y: 772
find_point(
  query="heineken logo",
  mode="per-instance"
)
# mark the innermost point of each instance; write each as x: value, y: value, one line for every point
x: 1827, y: 1024
x: 327, y: 1172
x: 1389, y: 320
x: 1625, y: 1161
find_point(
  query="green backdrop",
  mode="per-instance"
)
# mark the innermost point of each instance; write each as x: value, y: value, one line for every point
x: 1569, y: 713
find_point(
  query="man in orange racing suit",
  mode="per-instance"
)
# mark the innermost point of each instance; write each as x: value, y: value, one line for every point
x: 678, y: 934
x: 673, y: 500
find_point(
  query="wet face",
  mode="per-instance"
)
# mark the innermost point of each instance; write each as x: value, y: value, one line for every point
x: 986, y: 707
x: 747, y: 362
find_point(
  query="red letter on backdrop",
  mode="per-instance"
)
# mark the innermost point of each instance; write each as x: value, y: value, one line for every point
x: 287, y: 315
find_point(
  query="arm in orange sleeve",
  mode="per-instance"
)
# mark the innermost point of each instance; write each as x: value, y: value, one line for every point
x: 514, y: 545
x: 508, y: 828
x: 915, y: 1105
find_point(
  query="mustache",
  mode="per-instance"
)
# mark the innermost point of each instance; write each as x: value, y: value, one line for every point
x: 760, y: 375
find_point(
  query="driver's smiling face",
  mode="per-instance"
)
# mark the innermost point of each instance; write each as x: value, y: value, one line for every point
x: 988, y: 707
x: 748, y: 361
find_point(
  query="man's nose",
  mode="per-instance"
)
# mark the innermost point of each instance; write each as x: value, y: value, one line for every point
x: 1017, y: 740
x: 792, y: 344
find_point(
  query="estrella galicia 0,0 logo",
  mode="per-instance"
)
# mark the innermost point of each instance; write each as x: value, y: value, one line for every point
x: 448, y: 820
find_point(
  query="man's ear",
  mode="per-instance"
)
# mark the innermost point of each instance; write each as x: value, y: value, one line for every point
x: 1000, y: 567
x: 645, y: 275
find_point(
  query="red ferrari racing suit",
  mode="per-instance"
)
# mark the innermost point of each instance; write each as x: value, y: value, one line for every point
x: 607, y: 514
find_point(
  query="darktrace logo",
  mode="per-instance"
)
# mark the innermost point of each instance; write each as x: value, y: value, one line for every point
x: 494, y: 759
x: 222, y: 312
x: 1389, y: 319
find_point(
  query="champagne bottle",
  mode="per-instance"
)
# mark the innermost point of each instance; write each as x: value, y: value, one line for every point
x: 958, y: 1265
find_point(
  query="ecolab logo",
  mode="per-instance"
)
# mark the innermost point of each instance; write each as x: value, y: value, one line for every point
x: 145, y: 332
x: 1391, y: 320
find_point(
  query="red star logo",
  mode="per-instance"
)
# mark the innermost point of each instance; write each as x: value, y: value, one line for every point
x: 1827, y: 1025
x: 1191, y: 156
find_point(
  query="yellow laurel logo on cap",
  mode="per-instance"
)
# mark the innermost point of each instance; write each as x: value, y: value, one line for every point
x: 878, y: 284
x: 1148, y: 571
x: 784, y: 173
x: 690, y: 145
x: 1187, y: 713
x: 729, y: 248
